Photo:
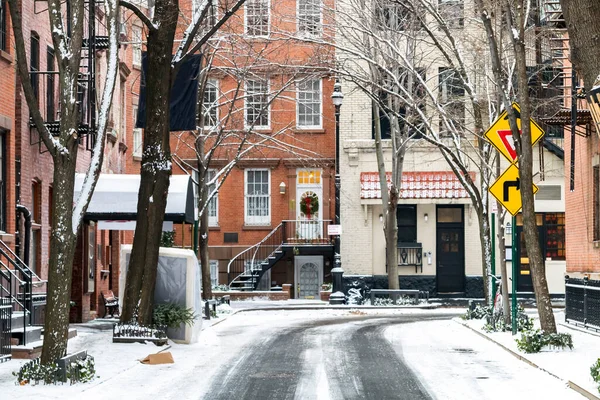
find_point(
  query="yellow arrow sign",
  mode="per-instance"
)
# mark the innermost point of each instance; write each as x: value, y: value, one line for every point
x: 507, y: 189
x: 500, y: 135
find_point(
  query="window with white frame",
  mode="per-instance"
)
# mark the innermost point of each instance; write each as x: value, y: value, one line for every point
x: 213, y: 203
x: 257, y: 103
x: 210, y: 104
x: 452, y: 99
x: 309, y: 17
x: 137, y: 135
x: 257, y: 194
x: 453, y: 12
x: 136, y: 38
x: 214, y: 272
x: 309, y: 104
x: 257, y: 17
x: 210, y: 18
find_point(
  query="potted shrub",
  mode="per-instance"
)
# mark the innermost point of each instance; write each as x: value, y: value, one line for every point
x: 325, y: 291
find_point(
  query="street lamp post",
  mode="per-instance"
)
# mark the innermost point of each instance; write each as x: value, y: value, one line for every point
x: 337, y: 295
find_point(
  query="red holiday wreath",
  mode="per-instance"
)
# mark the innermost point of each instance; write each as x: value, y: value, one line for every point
x: 309, y: 205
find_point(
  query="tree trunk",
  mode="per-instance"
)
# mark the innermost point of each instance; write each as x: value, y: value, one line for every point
x: 391, y: 238
x: 486, y: 253
x: 60, y: 270
x: 155, y: 171
x: 525, y: 161
x: 203, y: 204
x: 582, y: 18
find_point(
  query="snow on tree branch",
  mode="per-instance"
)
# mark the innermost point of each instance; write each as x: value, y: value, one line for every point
x: 92, y: 174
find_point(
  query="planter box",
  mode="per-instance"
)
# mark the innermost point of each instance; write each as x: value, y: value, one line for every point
x: 325, y: 296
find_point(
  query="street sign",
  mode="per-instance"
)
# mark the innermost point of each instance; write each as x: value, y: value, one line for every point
x: 334, y: 230
x: 500, y: 135
x: 507, y: 190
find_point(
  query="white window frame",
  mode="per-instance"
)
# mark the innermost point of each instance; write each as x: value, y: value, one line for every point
x: 452, y: 21
x: 214, y: 272
x: 214, y: 105
x: 213, y: 204
x: 136, y: 38
x: 298, y: 102
x: 138, y: 141
x: 267, y: 111
x: 247, y: 26
x: 210, y: 20
x: 254, y: 219
x: 302, y: 21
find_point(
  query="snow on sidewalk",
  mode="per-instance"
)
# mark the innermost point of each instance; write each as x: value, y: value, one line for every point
x: 568, y: 365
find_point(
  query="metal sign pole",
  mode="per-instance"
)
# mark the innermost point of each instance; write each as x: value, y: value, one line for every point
x: 514, y: 277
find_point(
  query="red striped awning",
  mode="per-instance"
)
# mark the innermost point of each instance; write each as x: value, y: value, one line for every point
x: 416, y: 185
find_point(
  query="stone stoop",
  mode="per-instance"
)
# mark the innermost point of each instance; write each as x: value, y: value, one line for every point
x: 34, y: 349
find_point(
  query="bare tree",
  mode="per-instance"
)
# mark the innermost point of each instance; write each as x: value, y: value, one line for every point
x: 162, y: 67
x: 222, y: 137
x: 67, y: 216
x: 516, y: 20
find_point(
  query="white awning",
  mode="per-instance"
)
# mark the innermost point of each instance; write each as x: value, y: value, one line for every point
x: 115, y: 198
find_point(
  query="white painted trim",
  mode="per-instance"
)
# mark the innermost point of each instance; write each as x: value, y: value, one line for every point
x: 308, y: 127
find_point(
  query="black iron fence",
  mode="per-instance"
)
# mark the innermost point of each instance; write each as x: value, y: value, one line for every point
x: 582, y: 302
x: 410, y: 254
x: 5, y: 328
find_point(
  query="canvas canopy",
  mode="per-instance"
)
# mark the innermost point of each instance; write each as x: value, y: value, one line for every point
x: 115, y: 198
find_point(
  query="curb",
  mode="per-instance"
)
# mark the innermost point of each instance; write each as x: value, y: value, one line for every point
x: 573, y: 386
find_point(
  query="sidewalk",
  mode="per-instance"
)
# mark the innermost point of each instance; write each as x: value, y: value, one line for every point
x: 570, y: 366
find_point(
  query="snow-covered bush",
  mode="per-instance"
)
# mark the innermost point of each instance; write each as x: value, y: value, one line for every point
x: 173, y: 315
x: 533, y: 341
x: 595, y: 371
x: 478, y: 312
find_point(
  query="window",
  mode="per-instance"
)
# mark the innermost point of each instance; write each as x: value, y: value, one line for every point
x: 596, y: 200
x: 410, y: 121
x: 551, y: 228
x: 309, y: 177
x: 257, y: 103
x: 214, y: 272
x: 50, y: 85
x: 210, y: 104
x: 136, y: 32
x: 406, y: 216
x: 122, y: 113
x: 2, y: 180
x: 36, y: 227
x: 3, y: 25
x: 257, y: 17
x: 209, y: 20
x: 257, y: 207
x: 309, y: 104
x: 213, y: 204
x: 391, y: 16
x: 34, y: 63
x: 137, y: 136
x: 309, y: 17
x: 453, y: 12
x: 451, y: 97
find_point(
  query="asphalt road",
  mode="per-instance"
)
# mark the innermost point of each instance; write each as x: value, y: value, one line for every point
x: 343, y: 358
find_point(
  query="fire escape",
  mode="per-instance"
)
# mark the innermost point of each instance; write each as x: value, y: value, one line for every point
x: 46, y: 83
x: 570, y: 117
x: 22, y: 291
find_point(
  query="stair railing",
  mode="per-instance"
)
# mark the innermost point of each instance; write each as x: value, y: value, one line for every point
x: 248, y: 260
x: 21, y: 288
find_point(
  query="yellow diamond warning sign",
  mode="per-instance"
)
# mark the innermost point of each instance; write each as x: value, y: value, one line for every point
x: 500, y: 135
x: 507, y: 189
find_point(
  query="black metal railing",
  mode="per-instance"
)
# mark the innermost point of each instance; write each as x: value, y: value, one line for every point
x: 5, y: 328
x: 410, y: 254
x: 23, y: 287
x: 251, y: 259
x: 582, y: 302
x: 307, y: 232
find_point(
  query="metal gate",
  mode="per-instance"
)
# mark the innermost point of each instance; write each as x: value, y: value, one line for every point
x: 582, y: 302
x: 5, y: 320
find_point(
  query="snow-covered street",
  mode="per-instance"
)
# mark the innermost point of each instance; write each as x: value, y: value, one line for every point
x: 309, y: 354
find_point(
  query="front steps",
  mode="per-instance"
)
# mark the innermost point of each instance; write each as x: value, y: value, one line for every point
x: 33, y: 350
